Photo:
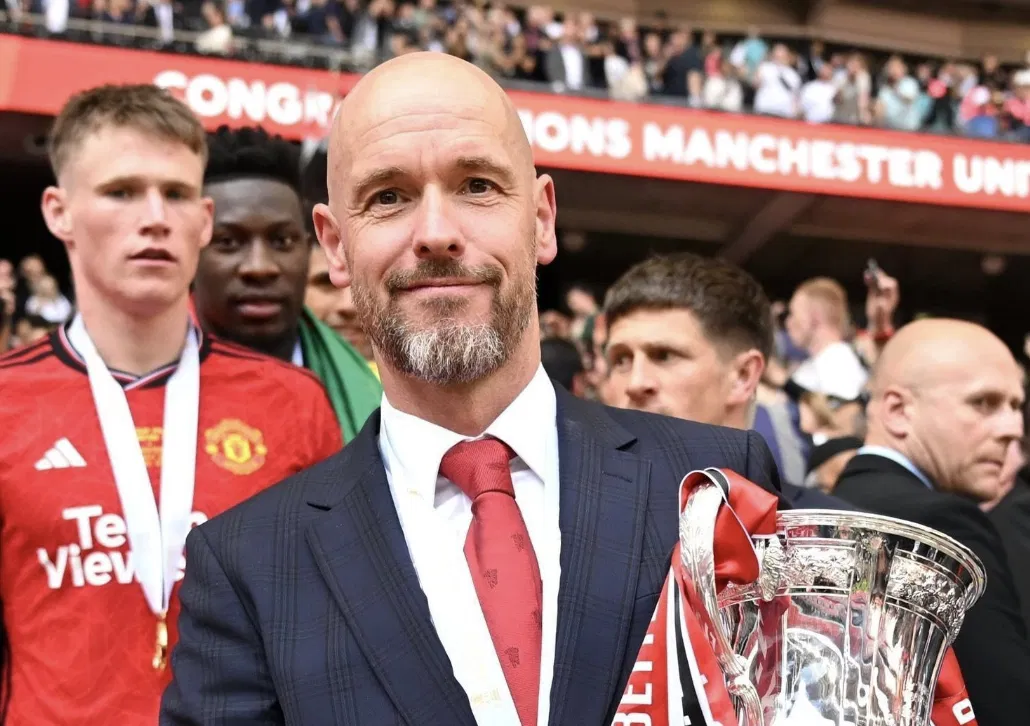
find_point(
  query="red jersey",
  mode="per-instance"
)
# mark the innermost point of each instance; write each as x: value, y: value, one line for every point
x: 81, y: 635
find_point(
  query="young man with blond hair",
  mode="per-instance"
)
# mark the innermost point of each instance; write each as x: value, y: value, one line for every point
x: 128, y: 426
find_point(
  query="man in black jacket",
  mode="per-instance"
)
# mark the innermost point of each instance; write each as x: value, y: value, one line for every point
x: 1011, y: 515
x: 945, y: 404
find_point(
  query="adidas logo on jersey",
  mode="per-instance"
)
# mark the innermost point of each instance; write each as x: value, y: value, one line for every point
x: 61, y: 456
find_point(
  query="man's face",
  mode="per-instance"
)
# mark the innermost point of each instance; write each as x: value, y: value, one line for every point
x: 334, y: 306
x: 251, y: 279
x: 32, y: 268
x: 442, y: 224
x: 130, y: 213
x: 661, y: 361
x: 963, y: 423
x: 800, y: 321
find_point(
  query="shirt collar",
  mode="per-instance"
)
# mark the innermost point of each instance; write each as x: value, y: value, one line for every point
x: 417, y: 446
x: 71, y: 336
x: 898, y: 458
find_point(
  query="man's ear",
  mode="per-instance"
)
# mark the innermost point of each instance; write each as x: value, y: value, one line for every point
x: 54, y: 205
x: 546, y: 216
x: 208, y: 205
x: 745, y: 374
x: 894, y: 411
x: 331, y: 240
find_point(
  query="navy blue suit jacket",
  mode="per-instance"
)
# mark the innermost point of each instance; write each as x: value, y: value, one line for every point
x: 302, y: 606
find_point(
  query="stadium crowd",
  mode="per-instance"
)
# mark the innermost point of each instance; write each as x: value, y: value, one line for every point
x: 629, y: 59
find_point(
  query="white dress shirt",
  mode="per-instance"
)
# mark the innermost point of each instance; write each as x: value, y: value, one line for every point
x: 435, y: 516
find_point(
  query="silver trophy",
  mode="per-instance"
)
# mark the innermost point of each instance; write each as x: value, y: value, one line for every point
x: 848, y: 623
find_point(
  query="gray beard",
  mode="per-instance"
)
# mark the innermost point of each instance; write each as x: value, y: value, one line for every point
x: 451, y: 354
x: 448, y: 353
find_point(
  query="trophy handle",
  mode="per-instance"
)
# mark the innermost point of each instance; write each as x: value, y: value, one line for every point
x: 697, y: 541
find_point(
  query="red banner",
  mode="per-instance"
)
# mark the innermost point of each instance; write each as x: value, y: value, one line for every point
x: 36, y: 76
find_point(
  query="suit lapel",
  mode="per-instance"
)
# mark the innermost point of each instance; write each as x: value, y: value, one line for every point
x: 602, y: 518
x: 361, y: 552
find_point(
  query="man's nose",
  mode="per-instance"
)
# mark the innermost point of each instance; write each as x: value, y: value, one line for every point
x: 259, y: 262
x: 641, y: 382
x: 156, y: 216
x: 1010, y: 427
x: 436, y: 234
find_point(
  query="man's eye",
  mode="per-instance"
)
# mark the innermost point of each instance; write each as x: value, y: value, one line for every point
x: 479, y: 186
x: 619, y: 361
x: 387, y: 197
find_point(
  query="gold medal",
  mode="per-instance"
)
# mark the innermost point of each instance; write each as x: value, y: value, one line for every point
x: 161, y: 644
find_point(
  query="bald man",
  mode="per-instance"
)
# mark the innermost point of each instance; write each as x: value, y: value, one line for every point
x: 488, y: 550
x: 945, y: 407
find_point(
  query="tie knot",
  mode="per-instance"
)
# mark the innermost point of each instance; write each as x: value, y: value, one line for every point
x: 479, y: 466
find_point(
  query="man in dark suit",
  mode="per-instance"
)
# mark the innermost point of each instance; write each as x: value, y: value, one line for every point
x: 945, y: 405
x: 689, y: 336
x: 489, y: 550
x: 1011, y: 515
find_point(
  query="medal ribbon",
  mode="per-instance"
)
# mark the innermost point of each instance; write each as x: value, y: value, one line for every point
x: 156, y: 538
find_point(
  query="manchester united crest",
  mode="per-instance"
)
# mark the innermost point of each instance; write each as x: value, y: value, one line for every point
x: 235, y: 446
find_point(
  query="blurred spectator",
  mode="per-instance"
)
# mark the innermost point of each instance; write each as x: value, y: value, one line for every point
x: 582, y: 304
x: 684, y: 67
x: 830, y: 382
x: 654, y: 63
x: 898, y: 103
x: 566, y: 64
x: 723, y: 91
x: 31, y: 328
x: 853, y: 99
x: 47, y: 302
x: 749, y: 53
x: 1011, y: 516
x: 828, y: 460
x: 334, y: 306
x: 563, y: 364
x: 777, y: 85
x: 818, y: 95
x: 1016, y: 109
x: 32, y: 269
x: 218, y: 38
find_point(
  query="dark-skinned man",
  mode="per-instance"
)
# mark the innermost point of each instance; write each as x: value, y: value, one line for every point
x: 251, y: 279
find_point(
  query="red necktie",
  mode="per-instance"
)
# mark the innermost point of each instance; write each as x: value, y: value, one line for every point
x: 503, y: 565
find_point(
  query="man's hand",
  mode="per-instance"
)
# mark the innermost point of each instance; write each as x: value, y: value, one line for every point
x: 881, y: 302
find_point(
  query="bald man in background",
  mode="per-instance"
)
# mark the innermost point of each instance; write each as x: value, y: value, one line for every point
x: 489, y: 550
x: 945, y: 407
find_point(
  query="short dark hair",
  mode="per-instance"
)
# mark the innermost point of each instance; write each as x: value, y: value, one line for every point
x: 561, y: 361
x: 141, y: 107
x: 729, y: 304
x: 252, y: 152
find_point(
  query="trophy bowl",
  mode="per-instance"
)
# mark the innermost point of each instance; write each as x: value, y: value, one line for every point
x: 848, y: 623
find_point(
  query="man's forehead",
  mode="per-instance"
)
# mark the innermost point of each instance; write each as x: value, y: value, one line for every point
x: 395, y: 139
x: 654, y: 326
x: 394, y: 105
